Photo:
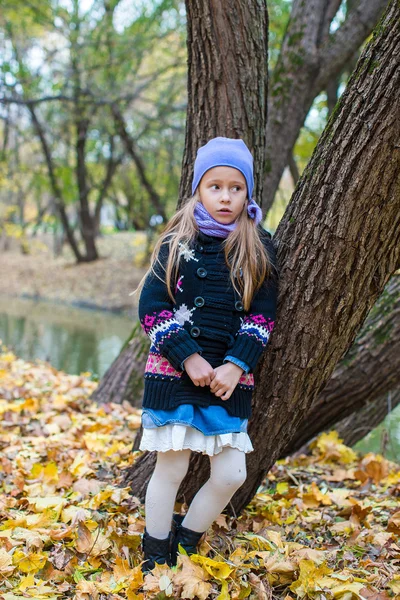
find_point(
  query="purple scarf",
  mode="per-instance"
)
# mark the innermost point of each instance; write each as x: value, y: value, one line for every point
x: 208, y: 225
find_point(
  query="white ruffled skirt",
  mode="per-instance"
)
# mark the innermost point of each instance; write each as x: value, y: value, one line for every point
x: 181, y: 437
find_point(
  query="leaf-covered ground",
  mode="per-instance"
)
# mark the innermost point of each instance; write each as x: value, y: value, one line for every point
x: 322, y: 526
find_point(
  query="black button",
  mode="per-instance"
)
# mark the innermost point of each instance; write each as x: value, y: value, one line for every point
x: 199, y: 301
x: 201, y: 272
x: 200, y: 247
x: 238, y: 305
x: 195, y: 331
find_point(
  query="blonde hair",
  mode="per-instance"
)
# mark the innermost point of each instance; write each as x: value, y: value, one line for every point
x: 243, y: 250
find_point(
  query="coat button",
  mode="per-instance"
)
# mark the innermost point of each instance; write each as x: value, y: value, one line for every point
x: 200, y: 247
x: 201, y: 272
x: 199, y: 301
x: 195, y: 331
x: 238, y: 305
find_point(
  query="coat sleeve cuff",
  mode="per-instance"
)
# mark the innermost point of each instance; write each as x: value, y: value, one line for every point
x: 178, y: 347
x: 246, y: 349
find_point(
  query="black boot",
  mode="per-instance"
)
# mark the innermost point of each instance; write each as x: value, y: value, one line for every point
x: 187, y: 538
x: 155, y: 550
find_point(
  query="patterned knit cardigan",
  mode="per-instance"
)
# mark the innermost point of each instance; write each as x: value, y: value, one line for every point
x: 208, y: 318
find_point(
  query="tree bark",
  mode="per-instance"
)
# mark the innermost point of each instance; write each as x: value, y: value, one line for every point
x: 362, y: 380
x: 337, y: 246
x: 310, y: 58
x: 357, y: 425
x: 124, y: 378
x: 227, y: 45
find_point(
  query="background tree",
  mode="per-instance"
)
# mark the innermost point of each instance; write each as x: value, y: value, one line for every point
x: 73, y: 74
x: 312, y: 57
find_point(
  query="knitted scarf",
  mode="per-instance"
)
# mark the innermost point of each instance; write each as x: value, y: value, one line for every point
x: 210, y: 226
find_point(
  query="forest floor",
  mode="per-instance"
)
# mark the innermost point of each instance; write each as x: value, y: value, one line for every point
x: 323, y: 525
x: 105, y: 283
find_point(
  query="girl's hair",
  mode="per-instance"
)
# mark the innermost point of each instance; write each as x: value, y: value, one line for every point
x: 244, y: 251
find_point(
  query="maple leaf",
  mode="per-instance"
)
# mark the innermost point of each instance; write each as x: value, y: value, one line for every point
x: 193, y: 578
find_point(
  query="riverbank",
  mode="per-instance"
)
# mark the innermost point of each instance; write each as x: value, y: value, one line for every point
x: 104, y: 284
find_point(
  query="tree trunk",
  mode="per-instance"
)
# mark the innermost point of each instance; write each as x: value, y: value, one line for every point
x: 310, y: 58
x: 356, y: 426
x: 362, y: 380
x: 227, y: 80
x: 337, y: 246
x: 124, y: 378
x: 359, y: 424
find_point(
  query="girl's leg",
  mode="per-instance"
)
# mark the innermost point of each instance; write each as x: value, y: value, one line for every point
x: 171, y: 467
x: 228, y: 473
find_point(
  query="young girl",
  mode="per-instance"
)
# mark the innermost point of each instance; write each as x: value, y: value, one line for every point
x: 208, y: 304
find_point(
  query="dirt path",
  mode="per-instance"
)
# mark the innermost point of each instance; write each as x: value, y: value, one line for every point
x: 105, y: 283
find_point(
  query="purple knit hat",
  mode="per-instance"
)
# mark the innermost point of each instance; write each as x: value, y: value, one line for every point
x: 222, y: 151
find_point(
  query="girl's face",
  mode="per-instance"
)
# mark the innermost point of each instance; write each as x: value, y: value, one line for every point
x: 223, y: 188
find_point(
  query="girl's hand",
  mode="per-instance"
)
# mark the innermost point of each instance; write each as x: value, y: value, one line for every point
x: 199, y: 370
x: 225, y: 380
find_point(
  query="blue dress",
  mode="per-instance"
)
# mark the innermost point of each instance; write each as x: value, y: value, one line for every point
x: 210, y: 420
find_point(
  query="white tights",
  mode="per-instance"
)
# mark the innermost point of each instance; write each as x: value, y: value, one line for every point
x: 228, y: 473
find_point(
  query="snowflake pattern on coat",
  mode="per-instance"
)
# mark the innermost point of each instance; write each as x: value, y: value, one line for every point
x: 183, y: 313
x: 186, y: 252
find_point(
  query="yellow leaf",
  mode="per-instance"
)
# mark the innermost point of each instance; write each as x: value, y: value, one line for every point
x: 275, y: 537
x: 42, y: 504
x: 224, y: 595
x: 219, y: 570
x: 79, y: 467
x: 310, y: 574
x: 348, y: 590
x: 101, y: 543
x: 27, y: 581
x: 282, y: 487
x: 30, y: 562
x: 330, y: 448
x: 122, y: 569
x: 394, y: 584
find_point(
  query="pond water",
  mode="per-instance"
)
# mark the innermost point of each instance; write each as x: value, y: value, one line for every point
x: 77, y: 340
x: 71, y: 339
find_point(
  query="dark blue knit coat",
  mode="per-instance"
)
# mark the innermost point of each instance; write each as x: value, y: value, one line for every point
x: 208, y: 318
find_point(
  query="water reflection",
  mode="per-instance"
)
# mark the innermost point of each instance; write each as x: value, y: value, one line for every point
x: 70, y: 339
